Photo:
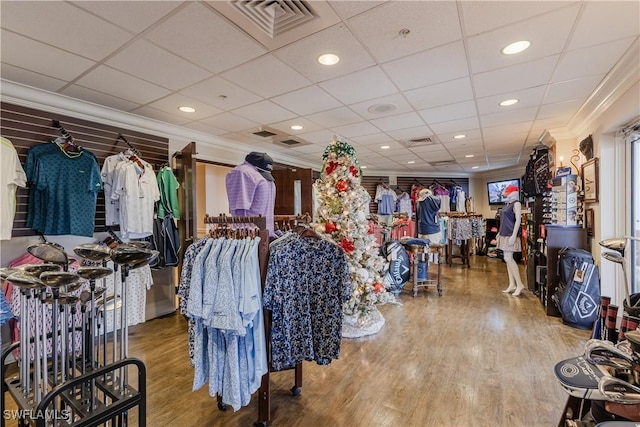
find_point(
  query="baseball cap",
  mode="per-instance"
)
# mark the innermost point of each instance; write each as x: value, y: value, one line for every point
x: 510, y: 189
x: 263, y: 162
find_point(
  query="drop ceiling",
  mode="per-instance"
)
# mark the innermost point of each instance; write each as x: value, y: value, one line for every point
x: 411, y: 76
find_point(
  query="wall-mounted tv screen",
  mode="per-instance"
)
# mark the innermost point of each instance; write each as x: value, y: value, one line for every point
x: 495, y: 189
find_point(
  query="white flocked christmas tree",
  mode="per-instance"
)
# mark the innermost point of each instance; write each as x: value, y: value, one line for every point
x: 341, y: 217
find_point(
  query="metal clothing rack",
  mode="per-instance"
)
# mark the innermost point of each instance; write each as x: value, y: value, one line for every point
x: 264, y: 392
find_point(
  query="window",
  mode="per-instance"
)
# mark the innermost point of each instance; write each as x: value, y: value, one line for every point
x: 632, y: 137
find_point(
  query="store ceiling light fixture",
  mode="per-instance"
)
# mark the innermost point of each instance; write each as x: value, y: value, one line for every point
x: 384, y: 147
x: 363, y: 167
x: 296, y: 127
x: 328, y: 59
x: 468, y: 156
x: 508, y: 102
x: 186, y: 109
x: 410, y: 162
x: 516, y: 47
x: 459, y: 136
x: 475, y: 167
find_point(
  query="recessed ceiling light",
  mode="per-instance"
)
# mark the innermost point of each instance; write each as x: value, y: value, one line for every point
x: 516, y: 47
x: 468, y: 156
x: 475, y: 167
x: 186, y: 109
x: 459, y: 136
x: 296, y: 127
x: 385, y: 147
x: 363, y: 167
x: 328, y: 59
x: 508, y: 102
x: 410, y: 162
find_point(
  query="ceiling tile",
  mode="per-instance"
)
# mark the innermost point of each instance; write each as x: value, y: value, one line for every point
x: 516, y: 77
x: 264, y: 112
x: 347, y: 9
x: 220, y: 45
x: 472, y: 135
x: 29, y: 78
x: 591, y: 61
x: 135, y: 16
x: 373, y: 139
x: 572, y: 89
x: 526, y: 98
x: 356, y: 129
x: 308, y: 100
x: 379, y: 28
x: 412, y: 133
x: 444, y: 63
x: 400, y: 121
x: 456, y: 125
x: 285, y: 126
x: 447, y: 113
x: 303, y: 54
x: 440, y: 94
x: 99, y: 98
x: 435, y: 149
x: 547, y: 33
x: 480, y: 16
x: 506, y: 130
x: 336, y: 117
x: 201, y: 127
x: 273, y: 77
x: 43, y: 59
x: 397, y: 100
x: 64, y: 26
x: 603, y: 21
x: 148, y: 62
x: 360, y: 86
x: 114, y: 82
x: 221, y: 94
x: 160, y: 115
x: 171, y: 103
x: 558, y: 110
x: 510, y: 116
x: 318, y: 137
x: 229, y: 122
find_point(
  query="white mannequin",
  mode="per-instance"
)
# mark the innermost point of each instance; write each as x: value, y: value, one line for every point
x: 515, y: 282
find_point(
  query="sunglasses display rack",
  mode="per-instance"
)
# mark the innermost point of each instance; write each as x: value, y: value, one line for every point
x: 561, y: 204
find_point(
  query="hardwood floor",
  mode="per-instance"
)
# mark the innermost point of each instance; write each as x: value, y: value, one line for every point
x: 473, y: 357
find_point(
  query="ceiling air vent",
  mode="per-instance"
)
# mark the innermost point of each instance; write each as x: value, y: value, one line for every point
x: 274, y: 17
x: 418, y: 142
x: 443, y: 163
x: 289, y: 142
x: 264, y: 133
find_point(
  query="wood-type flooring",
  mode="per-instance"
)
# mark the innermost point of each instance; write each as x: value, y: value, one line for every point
x: 472, y: 357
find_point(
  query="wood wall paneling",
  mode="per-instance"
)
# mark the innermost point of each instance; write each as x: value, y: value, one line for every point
x: 26, y: 127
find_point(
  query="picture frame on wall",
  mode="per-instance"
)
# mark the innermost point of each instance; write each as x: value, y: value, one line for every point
x: 590, y: 176
x: 589, y: 221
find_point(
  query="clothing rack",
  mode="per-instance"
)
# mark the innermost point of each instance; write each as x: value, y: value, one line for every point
x: 290, y: 222
x: 264, y: 393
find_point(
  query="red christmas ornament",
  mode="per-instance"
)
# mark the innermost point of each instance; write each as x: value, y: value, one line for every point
x: 331, y: 167
x: 347, y: 245
x: 378, y: 287
x: 342, y: 186
x: 370, y: 229
x: 354, y: 171
x: 330, y: 227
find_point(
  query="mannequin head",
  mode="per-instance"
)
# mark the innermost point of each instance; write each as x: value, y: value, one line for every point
x: 263, y: 162
x: 511, y: 193
x: 424, y: 193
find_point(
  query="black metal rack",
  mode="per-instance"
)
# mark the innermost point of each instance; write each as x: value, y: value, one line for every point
x: 264, y: 393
